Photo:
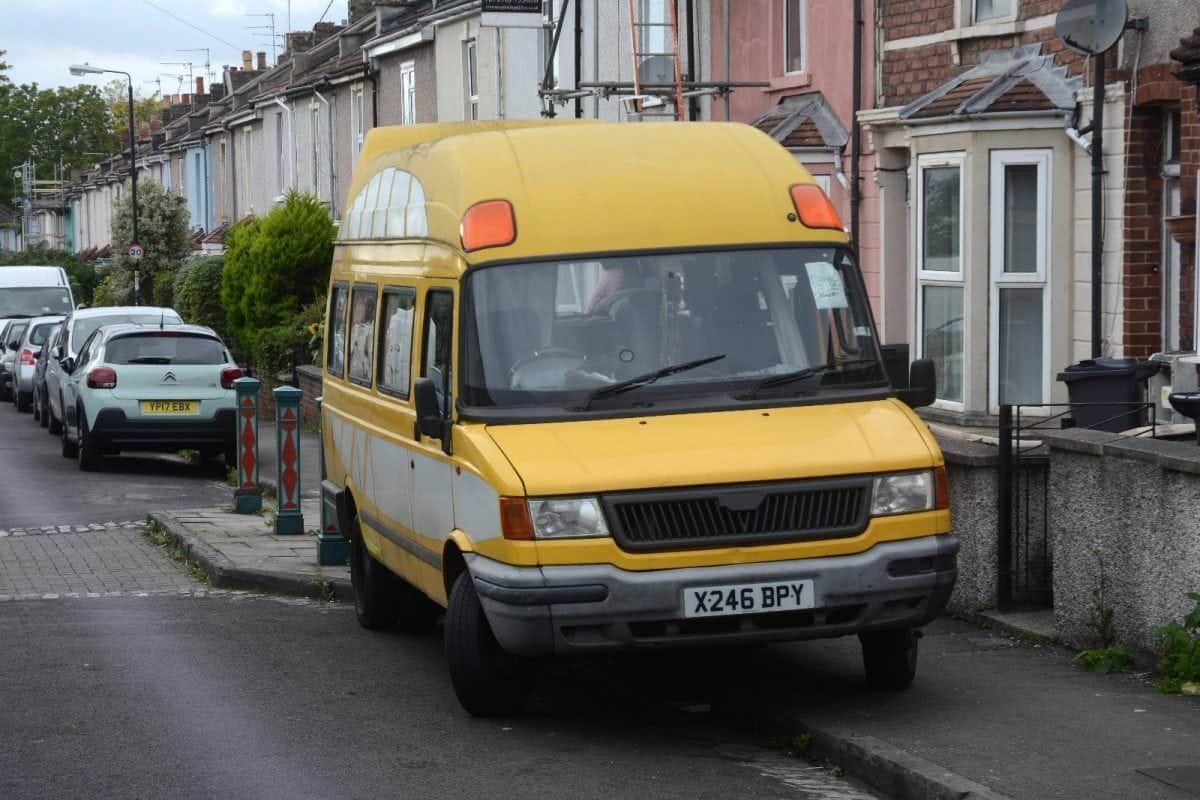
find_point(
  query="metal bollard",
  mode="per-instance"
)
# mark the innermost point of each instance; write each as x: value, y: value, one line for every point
x: 332, y: 546
x: 289, y: 519
x: 247, y: 497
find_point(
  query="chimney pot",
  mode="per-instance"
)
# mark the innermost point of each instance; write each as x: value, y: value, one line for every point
x: 262, y: 59
x: 247, y: 60
x: 199, y: 84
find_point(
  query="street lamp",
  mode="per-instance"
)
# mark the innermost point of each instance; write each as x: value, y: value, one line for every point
x: 88, y: 69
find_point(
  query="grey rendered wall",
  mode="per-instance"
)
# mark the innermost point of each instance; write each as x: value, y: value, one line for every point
x: 971, y: 468
x: 1126, y: 517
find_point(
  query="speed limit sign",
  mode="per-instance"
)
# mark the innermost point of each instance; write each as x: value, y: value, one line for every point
x: 136, y: 251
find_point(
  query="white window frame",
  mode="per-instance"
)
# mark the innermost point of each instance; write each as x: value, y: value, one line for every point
x: 314, y: 128
x: 803, y: 8
x: 358, y: 119
x: 971, y: 10
x: 471, y: 79
x: 1043, y: 159
x: 937, y: 277
x: 1172, y: 252
x: 408, y: 93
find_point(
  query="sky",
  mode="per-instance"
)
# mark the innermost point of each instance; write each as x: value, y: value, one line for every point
x: 44, y: 37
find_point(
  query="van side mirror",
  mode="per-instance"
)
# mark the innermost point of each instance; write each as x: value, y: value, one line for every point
x: 430, y: 421
x: 922, y: 385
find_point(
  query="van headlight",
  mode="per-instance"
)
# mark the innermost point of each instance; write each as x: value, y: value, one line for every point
x: 569, y: 518
x: 902, y: 494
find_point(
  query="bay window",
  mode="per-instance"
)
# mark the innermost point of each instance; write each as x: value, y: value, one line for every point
x: 940, y: 286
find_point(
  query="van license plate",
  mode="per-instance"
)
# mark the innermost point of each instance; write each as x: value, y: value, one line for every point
x: 170, y: 406
x: 748, y: 598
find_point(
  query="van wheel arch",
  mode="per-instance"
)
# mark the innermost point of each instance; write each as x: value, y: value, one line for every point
x: 347, y: 510
x: 453, y: 565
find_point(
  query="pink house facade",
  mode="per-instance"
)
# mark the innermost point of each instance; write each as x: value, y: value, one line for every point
x: 804, y: 49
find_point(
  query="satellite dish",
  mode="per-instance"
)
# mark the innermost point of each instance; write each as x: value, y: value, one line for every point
x: 1091, y: 26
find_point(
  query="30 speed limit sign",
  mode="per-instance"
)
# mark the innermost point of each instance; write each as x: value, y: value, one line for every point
x: 136, y: 251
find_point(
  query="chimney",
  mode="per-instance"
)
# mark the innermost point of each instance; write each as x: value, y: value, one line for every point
x: 262, y: 59
x: 184, y: 99
x: 199, y: 84
x: 247, y: 60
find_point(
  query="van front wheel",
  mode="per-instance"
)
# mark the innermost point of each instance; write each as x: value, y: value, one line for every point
x: 486, y: 679
x: 374, y: 586
x: 890, y: 658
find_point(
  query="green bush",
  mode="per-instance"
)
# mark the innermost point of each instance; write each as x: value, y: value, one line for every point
x: 276, y: 269
x: 1180, y: 643
x: 114, y: 289
x: 82, y: 276
x: 198, y: 293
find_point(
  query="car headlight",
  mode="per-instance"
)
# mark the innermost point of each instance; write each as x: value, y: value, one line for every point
x: 576, y: 517
x: 902, y: 494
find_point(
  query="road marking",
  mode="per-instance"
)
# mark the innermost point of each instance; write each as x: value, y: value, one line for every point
x: 93, y: 527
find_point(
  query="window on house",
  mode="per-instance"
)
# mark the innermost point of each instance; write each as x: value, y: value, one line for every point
x: 1019, y: 243
x: 395, y: 341
x: 248, y: 167
x: 362, y: 333
x: 1177, y: 336
x: 314, y: 128
x: 408, y: 93
x: 335, y: 348
x: 357, y: 120
x: 793, y: 35
x: 471, y: 77
x: 992, y: 9
x: 281, y: 149
x: 657, y: 63
x: 941, y: 322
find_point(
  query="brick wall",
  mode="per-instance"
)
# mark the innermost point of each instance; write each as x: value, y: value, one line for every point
x: 310, y: 384
x: 1157, y: 92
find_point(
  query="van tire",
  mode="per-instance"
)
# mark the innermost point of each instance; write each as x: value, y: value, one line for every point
x: 486, y: 679
x: 890, y: 658
x: 375, y: 592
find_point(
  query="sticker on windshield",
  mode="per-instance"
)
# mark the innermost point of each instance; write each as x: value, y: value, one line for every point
x: 827, y: 287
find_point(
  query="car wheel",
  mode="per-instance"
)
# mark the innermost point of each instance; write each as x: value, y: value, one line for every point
x: 890, y: 658
x: 375, y: 587
x: 24, y: 401
x: 487, y: 680
x: 91, y: 457
x: 69, y: 448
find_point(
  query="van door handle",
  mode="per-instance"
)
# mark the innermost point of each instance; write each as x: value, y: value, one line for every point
x: 412, y: 464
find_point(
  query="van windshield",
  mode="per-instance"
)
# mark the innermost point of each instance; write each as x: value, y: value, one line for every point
x: 34, y: 301
x: 736, y: 324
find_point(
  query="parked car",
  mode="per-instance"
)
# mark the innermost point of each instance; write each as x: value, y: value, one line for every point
x: 77, y: 327
x: 36, y: 333
x: 149, y: 387
x: 10, y: 339
x: 666, y: 426
x: 34, y: 291
x: 41, y: 409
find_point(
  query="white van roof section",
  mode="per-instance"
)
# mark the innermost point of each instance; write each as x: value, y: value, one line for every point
x: 32, y: 276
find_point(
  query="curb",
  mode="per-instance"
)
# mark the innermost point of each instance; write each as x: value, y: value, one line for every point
x: 224, y: 574
x: 885, y: 768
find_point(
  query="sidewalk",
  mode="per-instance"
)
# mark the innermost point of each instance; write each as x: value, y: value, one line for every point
x: 990, y: 716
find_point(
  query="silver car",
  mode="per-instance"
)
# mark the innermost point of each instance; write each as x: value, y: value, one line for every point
x: 36, y: 334
x: 76, y: 328
x: 10, y: 338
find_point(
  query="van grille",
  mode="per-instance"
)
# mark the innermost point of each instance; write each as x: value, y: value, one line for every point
x: 739, y: 514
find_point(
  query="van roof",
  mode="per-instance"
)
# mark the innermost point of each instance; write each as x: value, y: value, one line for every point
x: 591, y: 187
x: 32, y: 276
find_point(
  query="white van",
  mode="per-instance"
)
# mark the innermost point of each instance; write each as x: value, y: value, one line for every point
x: 34, y: 292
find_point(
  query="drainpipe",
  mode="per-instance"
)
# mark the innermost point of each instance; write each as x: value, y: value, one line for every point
x: 369, y: 74
x: 855, y: 128
x: 291, y: 140
x: 693, y: 102
x: 332, y: 176
x: 725, y: 13
x: 578, y: 55
x: 499, y: 75
x: 232, y: 168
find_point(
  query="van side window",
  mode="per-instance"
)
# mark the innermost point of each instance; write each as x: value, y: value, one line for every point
x: 336, y: 346
x: 439, y: 325
x: 362, y: 333
x: 395, y: 341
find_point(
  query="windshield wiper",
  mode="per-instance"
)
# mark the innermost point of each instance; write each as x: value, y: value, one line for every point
x: 16, y: 316
x: 150, y: 360
x: 645, y: 380
x: 807, y: 372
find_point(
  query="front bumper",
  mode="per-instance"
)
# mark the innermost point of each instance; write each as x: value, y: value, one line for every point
x: 556, y: 609
x: 115, y: 431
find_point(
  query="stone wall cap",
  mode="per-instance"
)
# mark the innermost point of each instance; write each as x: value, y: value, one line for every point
x: 310, y: 371
x: 1076, y: 440
x: 967, y: 453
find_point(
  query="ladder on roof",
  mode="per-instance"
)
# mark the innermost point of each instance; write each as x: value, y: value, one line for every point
x: 643, y: 31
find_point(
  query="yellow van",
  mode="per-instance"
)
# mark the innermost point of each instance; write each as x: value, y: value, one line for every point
x: 593, y: 386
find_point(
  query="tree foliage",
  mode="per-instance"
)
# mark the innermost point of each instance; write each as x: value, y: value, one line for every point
x: 145, y: 111
x: 162, y: 231
x: 198, y: 292
x: 276, y: 268
x: 65, y: 126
